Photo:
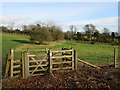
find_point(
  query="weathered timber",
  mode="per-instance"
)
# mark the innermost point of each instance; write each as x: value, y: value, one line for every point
x: 75, y: 59
x: 73, y: 64
x: 62, y: 62
x: 16, y: 61
x: 50, y: 60
x: 38, y: 70
x: 15, y: 72
x: 115, y: 58
x: 26, y: 64
x: 37, y: 65
x: 12, y: 58
x: 23, y: 65
x: 88, y: 63
x: 62, y: 68
x: 62, y: 51
x: 7, y: 66
x: 65, y: 56
x: 16, y: 66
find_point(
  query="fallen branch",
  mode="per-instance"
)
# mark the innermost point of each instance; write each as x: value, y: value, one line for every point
x: 88, y: 63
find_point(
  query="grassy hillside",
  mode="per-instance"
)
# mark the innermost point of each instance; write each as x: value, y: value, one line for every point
x: 94, y: 53
x: 12, y: 41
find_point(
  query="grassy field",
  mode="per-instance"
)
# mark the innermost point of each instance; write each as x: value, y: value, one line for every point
x: 99, y: 54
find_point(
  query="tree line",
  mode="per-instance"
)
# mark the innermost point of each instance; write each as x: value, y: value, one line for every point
x: 41, y: 33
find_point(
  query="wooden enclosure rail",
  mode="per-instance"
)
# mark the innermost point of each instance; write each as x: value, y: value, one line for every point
x: 88, y: 63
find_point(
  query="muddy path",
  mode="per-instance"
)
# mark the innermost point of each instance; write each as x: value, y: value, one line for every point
x: 85, y: 77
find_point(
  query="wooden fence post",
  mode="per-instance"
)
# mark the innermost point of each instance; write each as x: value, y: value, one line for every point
x: 26, y: 64
x: 11, y: 65
x: 46, y: 49
x: 7, y: 66
x: 75, y: 59
x: 73, y: 64
x: 23, y: 66
x: 50, y: 60
x: 115, y: 58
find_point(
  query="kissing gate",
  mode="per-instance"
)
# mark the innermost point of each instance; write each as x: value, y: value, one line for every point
x: 45, y: 60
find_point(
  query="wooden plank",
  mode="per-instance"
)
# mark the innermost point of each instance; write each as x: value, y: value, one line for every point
x: 75, y: 59
x: 36, y: 49
x: 11, y: 64
x: 7, y: 66
x: 37, y: 65
x: 31, y: 55
x: 16, y: 66
x: 30, y: 61
x: 62, y: 51
x: 23, y: 66
x: 62, y: 68
x: 65, y: 56
x: 15, y: 72
x: 50, y: 61
x: 41, y: 54
x: 37, y: 74
x: 115, y: 58
x: 62, y: 62
x: 19, y: 50
x: 37, y: 70
x: 26, y: 65
x: 88, y: 63
x: 17, y: 61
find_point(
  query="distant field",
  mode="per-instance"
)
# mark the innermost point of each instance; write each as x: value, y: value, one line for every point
x: 94, y: 53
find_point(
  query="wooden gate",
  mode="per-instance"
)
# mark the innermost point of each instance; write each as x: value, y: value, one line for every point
x: 65, y: 59
x: 33, y: 65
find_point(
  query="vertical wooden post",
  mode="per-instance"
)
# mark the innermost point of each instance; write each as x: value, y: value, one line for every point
x: 75, y: 59
x: 7, y: 66
x: 46, y: 49
x: 115, y: 58
x: 23, y: 66
x: 11, y: 65
x: 50, y: 60
x: 26, y: 64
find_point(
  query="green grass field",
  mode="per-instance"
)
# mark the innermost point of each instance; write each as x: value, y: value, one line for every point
x: 99, y: 54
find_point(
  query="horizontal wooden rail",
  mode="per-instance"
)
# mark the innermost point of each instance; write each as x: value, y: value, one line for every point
x: 31, y: 55
x: 38, y: 70
x: 88, y: 63
x: 66, y: 56
x: 62, y: 51
x: 62, y: 62
x: 62, y: 68
x: 16, y: 61
x: 37, y: 65
x: 37, y: 61
x: 29, y: 50
x: 37, y: 74
x: 15, y: 72
x: 16, y: 66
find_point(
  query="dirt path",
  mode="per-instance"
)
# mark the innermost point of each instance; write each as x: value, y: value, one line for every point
x: 85, y: 77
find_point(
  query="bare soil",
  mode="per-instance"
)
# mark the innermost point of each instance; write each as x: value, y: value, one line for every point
x: 85, y: 77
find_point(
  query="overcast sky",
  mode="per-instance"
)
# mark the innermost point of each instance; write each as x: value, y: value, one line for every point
x: 100, y: 14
